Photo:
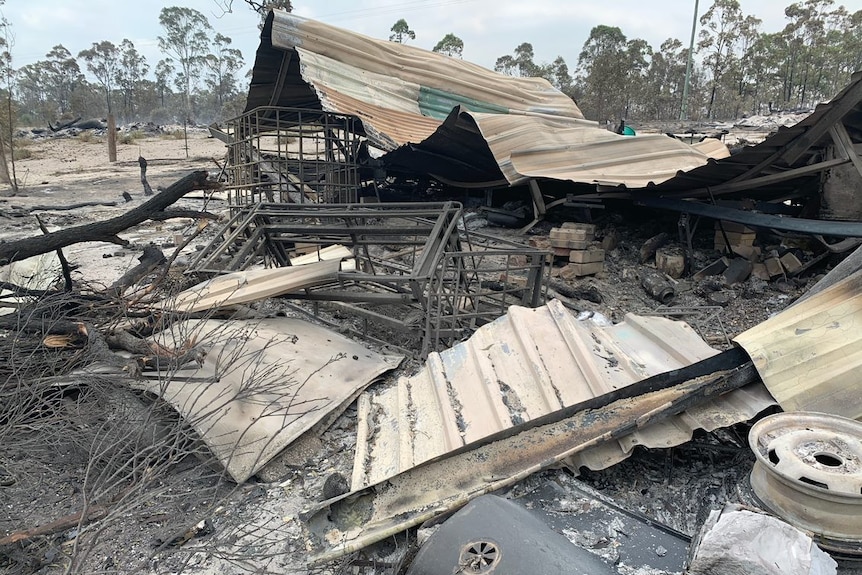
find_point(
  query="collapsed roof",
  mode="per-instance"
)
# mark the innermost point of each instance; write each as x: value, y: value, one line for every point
x: 452, y: 119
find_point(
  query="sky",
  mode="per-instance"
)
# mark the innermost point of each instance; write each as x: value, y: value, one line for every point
x: 489, y: 28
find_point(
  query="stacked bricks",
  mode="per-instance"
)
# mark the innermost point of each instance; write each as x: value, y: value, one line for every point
x: 576, y: 242
x: 739, y: 235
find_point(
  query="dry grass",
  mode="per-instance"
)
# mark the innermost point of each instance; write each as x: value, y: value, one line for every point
x: 131, y: 137
x: 88, y: 137
x: 77, y: 437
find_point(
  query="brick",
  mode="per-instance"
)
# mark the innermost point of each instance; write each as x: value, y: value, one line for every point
x: 589, y: 228
x: 733, y: 227
x: 539, y: 242
x: 758, y: 270
x: 670, y: 261
x: 751, y: 253
x: 791, y: 263
x: 560, y: 252
x: 570, y: 244
x: 587, y: 256
x: 572, y: 271
x: 773, y: 267
x: 735, y: 239
x: 576, y: 235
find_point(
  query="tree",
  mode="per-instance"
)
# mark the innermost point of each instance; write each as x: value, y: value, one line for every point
x: 223, y: 64
x: 557, y: 72
x: 262, y: 7
x: 186, y: 41
x: 451, y: 45
x: 164, y: 71
x: 506, y: 65
x: 520, y: 63
x: 7, y: 120
x: 602, y: 70
x: 401, y: 31
x: 664, y: 79
x: 524, y: 55
x: 103, y: 62
x: 131, y: 73
x: 61, y: 76
x: 720, y: 30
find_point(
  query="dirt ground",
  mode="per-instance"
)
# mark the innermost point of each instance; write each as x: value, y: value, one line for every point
x: 253, y: 527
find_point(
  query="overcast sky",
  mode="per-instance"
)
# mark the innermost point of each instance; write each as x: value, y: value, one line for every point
x: 489, y: 28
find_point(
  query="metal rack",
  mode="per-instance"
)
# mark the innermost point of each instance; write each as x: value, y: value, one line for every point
x: 412, y: 270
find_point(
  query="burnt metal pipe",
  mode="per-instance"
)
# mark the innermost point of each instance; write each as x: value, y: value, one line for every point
x: 657, y: 286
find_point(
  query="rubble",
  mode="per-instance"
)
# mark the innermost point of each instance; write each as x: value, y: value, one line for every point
x: 531, y: 364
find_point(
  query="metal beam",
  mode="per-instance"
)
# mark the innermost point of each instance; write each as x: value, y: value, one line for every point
x: 739, y: 186
x: 819, y: 227
x: 282, y: 76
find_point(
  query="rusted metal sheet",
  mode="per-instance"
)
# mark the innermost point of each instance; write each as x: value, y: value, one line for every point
x: 398, y: 91
x: 527, y: 364
x: 406, y: 95
x: 536, y: 146
x: 262, y: 384
x: 810, y: 355
x: 357, y: 519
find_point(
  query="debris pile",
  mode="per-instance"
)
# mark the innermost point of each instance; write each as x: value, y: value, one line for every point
x: 330, y: 373
x: 575, y: 243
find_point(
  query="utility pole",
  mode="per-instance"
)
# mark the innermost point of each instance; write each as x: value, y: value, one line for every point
x: 683, y: 113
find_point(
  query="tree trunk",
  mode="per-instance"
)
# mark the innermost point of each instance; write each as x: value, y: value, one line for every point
x: 107, y: 230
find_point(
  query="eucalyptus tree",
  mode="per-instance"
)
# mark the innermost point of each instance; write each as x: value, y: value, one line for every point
x: 61, y: 76
x: 451, y: 45
x: 401, y: 32
x: 103, y: 62
x: 131, y: 75
x: 164, y: 71
x: 602, y: 73
x: 222, y: 65
x: 186, y: 41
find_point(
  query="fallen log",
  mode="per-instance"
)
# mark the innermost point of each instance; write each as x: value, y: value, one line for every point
x: 107, y: 230
x: 151, y: 259
x: 64, y: 125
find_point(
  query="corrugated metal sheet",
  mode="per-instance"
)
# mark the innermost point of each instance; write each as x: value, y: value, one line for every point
x: 526, y: 364
x: 437, y: 83
x: 810, y: 355
x: 262, y: 384
x: 812, y: 131
x: 579, y: 151
x: 411, y: 102
x: 400, y: 92
x: 525, y: 146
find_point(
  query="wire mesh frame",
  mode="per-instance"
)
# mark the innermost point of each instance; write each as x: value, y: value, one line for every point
x: 293, y: 155
x: 410, y: 256
x: 472, y: 288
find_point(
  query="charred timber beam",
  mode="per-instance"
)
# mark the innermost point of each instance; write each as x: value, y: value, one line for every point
x: 845, y: 144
